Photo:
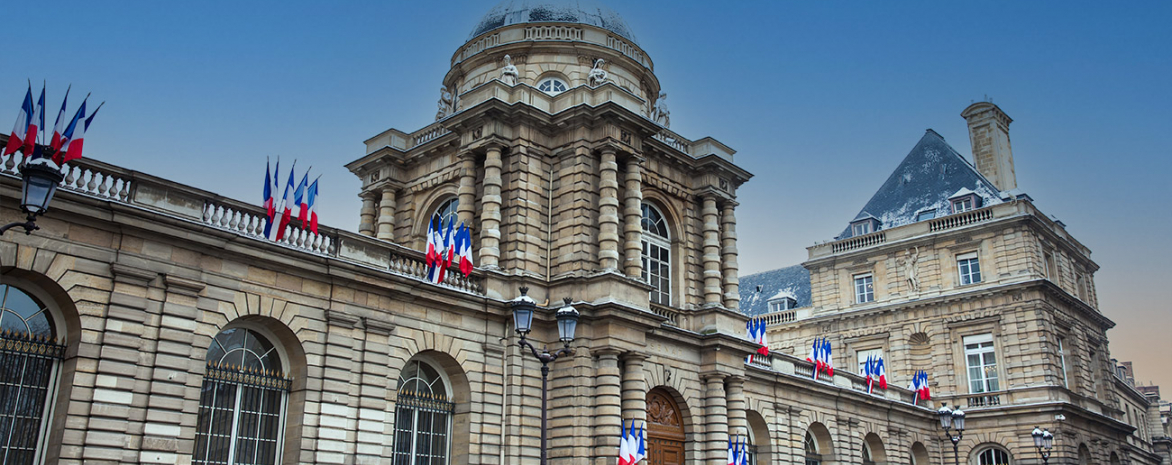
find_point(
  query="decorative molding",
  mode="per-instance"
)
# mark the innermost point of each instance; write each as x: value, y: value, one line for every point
x: 378, y: 326
x: 183, y: 286
x: 131, y: 275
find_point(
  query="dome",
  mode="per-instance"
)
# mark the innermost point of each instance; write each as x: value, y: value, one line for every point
x: 510, y: 12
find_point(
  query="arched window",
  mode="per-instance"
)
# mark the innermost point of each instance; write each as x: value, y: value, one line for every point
x: 552, y: 86
x: 656, y: 255
x: 811, y: 447
x: 867, y: 459
x: 242, y: 403
x: 29, y: 354
x: 751, y: 447
x: 993, y: 456
x: 447, y: 212
x: 423, y: 416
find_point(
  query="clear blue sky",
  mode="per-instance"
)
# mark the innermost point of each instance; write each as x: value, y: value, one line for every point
x: 821, y: 99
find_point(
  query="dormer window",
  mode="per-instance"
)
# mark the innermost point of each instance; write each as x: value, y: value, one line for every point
x: 552, y: 86
x: 864, y: 226
x: 926, y: 215
x: 965, y: 200
x: 782, y: 304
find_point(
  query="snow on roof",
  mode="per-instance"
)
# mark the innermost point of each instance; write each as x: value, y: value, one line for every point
x: 925, y: 180
x: 792, y: 281
x: 963, y: 191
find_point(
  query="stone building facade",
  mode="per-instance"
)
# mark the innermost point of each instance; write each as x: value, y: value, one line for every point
x: 154, y: 323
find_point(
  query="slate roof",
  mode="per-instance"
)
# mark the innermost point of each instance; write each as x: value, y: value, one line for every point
x: 926, y: 178
x: 793, y: 281
x: 509, y: 12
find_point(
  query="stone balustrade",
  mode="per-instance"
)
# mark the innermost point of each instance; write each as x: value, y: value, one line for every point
x: 428, y: 134
x: 95, y: 179
x: 672, y: 315
x: 792, y: 365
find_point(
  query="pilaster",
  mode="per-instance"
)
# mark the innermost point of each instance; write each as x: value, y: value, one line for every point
x: 711, y: 259
x: 466, y: 191
x: 490, y: 216
x: 728, y: 237
x: 607, y: 406
x: 632, y: 218
x: 715, y: 418
x: 608, y: 211
x: 366, y: 216
x: 386, y: 215
x: 634, y: 388
x: 735, y: 393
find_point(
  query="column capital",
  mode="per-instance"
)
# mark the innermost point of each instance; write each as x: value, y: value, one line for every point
x: 634, y: 357
x: 736, y: 380
x: 372, y: 194
x: 607, y: 352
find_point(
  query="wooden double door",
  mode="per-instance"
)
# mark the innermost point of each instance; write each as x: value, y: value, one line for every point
x: 665, y: 430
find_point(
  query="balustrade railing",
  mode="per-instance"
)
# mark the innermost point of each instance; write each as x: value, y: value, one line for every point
x: 962, y: 219
x: 673, y: 317
x: 759, y: 361
x: 859, y: 242
x: 674, y: 140
x: 778, y: 318
x: 984, y: 401
x: 428, y: 134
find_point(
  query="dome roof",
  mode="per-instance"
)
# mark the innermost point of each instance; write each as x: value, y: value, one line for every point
x: 509, y: 12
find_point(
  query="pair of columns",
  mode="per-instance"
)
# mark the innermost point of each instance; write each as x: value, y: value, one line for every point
x: 721, y: 285
x: 608, y: 215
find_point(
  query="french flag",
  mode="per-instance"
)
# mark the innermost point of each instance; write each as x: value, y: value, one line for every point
x: 465, y: 250
x: 59, y: 125
x: 624, y: 445
x: 16, y: 140
x: 269, y: 206
x: 827, y: 359
x: 641, y: 450
x: 764, y: 349
x: 449, y: 251
x: 432, y: 253
x: 300, y: 200
x: 71, y: 150
x: 732, y: 453
x: 67, y: 135
x: 312, y: 196
x: 35, y: 124
x: 287, y: 205
x: 881, y: 373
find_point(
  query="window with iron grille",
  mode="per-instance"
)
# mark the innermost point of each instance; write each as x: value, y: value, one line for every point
x: 656, y: 255
x: 29, y: 356
x: 423, y: 417
x: 242, y: 402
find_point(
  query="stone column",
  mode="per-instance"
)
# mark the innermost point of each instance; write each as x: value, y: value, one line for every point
x: 608, y: 211
x: 735, y: 393
x: 634, y: 388
x: 467, y: 190
x: 607, y: 406
x: 366, y: 217
x: 386, y: 215
x: 728, y: 251
x: 632, y: 218
x: 712, y: 276
x: 715, y: 418
x: 490, y: 217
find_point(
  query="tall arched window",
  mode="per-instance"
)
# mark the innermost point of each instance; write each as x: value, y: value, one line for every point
x: 811, y: 448
x: 656, y: 255
x: 993, y: 456
x: 242, y: 403
x: 447, y: 212
x: 423, y: 416
x: 29, y: 354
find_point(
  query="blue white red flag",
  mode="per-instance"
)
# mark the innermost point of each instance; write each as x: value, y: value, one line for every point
x: 311, y: 194
x: 299, y: 199
x: 827, y: 357
x: 732, y: 453
x: 624, y: 445
x: 881, y: 372
x: 285, y: 210
x: 465, y: 250
x: 268, y: 192
x: 72, y: 148
x: 641, y: 450
x: 16, y: 140
x: 35, y: 124
x: 59, y: 125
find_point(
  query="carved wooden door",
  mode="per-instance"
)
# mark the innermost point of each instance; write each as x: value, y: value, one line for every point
x: 665, y: 431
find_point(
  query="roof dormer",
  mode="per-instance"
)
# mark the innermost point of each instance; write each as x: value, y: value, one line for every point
x: 964, y: 200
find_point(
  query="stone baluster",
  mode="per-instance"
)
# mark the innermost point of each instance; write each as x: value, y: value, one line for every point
x: 608, y: 211
x: 715, y: 418
x: 386, y: 215
x: 467, y: 189
x: 607, y: 406
x: 366, y: 217
x: 712, y: 276
x: 490, y: 217
x: 633, y: 218
x: 728, y: 236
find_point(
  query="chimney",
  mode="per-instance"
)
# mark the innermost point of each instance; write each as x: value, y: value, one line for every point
x: 989, y: 134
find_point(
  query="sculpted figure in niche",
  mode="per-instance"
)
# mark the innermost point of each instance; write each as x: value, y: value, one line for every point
x: 911, y: 268
x: 660, y: 114
x: 444, y: 105
x: 509, y: 72
x: 597, y: 75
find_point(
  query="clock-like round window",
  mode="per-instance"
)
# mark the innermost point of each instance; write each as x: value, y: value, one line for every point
x: 552, y: 86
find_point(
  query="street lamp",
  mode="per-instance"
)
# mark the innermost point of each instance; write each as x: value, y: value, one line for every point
x: 950, y: 419
x: 567, y: 320
x: 40, y: 180
x: 1044, y: 441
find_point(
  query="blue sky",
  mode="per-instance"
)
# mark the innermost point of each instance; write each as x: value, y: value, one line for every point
x: 821, y: 99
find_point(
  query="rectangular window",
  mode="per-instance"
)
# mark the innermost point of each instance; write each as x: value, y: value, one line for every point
x: 925, y: 215
x: 1081, y: 283
x: 981, y: 363
x: 970, y: 268
x: 864, y: 288
x: 863, y: 354
x: 1062, y: 362
x: 962, y: 205
x: 858, y: 229
x: 1051, y: 269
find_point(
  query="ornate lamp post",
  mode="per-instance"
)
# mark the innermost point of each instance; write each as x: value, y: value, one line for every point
x: 1044, y: 441
x: 567, y: 318
x: 40, y: 181
x: 950, y: 419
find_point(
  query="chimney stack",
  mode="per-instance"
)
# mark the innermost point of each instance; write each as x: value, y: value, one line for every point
x: 989, y: 134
